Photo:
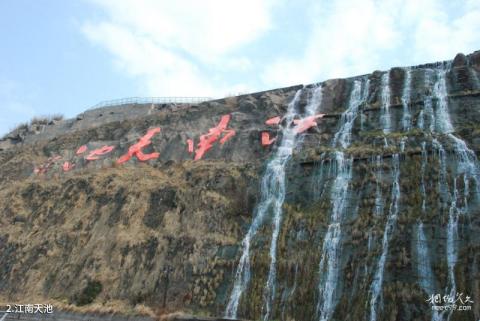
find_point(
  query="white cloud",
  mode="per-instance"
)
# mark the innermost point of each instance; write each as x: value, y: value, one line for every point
x: 202, y: 47
x: 438, y: 35
x: 177, y: 47
x: 348, y: 38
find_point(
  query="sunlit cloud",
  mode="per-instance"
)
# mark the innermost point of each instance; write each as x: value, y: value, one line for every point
x: 206, y: 48
x: 179, y: 48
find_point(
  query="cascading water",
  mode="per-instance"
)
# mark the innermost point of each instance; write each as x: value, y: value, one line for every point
x: 271, y: 188
x: 376, y: 287
x: 443, y: 187
x: 422, y: 175
x: 427, y: 111
x: 406, y: 93
x: 444, y: 191
x: 272, y: 198
x: 329, y: 262
x: 329, y: 266
x: 466, y: 165
x: 467, y: 162
x: 343, y: 136
x: 385, y: 117
x: 379, y: 203
x: 424, y: 266
x: 452, y: 239
x: 293, y: 140
x: 443, y: 124
x: 433, y: 118
x: 317, y: 183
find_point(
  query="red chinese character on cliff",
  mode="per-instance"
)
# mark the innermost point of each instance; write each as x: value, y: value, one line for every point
x: 273, y: 121
x: 136, y: 149
x: 67, y: 166
x: 94, y: 154
x: 207, y: 140
x: 306, y: 123
x: 190, y: 145
x: 266, y: 140
x: 42, y: 169
x: 82, y: 149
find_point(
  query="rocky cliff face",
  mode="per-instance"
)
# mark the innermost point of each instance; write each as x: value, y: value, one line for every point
x: 363, y: 217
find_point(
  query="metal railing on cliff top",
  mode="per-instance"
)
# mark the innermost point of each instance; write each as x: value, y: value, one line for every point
x: 150, y: 100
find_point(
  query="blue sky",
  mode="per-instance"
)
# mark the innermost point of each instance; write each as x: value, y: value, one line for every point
x: 65, y: 56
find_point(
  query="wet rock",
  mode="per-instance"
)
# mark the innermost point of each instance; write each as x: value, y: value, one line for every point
x: 460, y: 60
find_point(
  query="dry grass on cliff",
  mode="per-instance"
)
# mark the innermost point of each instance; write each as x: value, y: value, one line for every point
x: 86, y: 196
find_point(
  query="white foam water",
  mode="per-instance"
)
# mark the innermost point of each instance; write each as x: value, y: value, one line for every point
x: 329, y: 267
x: 428, y: 102
x: 406, y: 93
x: 271, y: 201
x: 424, y: 266
x: 423, y: 190
x: 294, y: 139
x: 466, y: 166
x: 379, y: 202
x: 343, y: 136
x: 376, y: 287
x: 272, y: 190
x: 385, y: 117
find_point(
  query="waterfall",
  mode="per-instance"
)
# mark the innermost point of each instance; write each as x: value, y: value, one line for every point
x: 424, y: 266
x: 444, y: 191
x: 379, y: 204
x: 329, y: 262
x: 362, y: 122
x: 385, y: 117
x: 376, y: 287
x: 421, y: 120
x: 329, y: 266
x: 271, y: 190
x: 343, y: 136
x: 293, y: 139
x: 422, y: 175
x: 428, y: 103
x: 271, y: 199
x: 452, y: 239
x: 466, y: 165
x: 443, y: 124
x: 316, y: 185
x: 467, y: 162
x: 407, y: 117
